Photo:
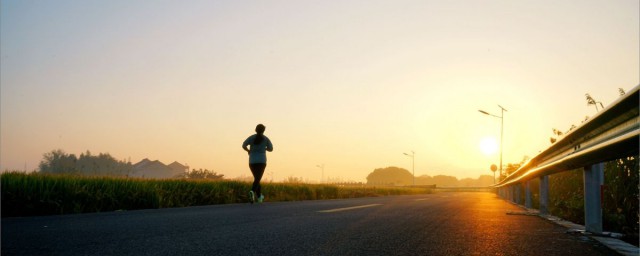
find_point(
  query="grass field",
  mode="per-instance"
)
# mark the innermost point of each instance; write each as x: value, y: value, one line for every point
x: 37, y: 194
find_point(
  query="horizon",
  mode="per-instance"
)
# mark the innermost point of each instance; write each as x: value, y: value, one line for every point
x: 242, y: 176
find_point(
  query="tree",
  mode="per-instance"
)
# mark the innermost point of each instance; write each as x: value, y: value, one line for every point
x: 512, y: 167
x: 57, y: 162
x: 390, y: 176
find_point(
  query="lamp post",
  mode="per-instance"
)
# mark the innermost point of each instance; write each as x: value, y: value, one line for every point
x: 413, y: 165
x: 321, y: 166
x: 501, y: 130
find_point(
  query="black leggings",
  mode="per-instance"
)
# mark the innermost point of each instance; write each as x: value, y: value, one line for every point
x: 258, y: 171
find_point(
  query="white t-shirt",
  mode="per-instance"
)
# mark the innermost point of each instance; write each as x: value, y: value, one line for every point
x: 258, y: 153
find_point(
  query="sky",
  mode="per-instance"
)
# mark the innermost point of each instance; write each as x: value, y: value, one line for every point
x: 352, y: 85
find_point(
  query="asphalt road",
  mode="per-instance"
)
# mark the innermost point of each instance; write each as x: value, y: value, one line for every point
x: 471, y: 223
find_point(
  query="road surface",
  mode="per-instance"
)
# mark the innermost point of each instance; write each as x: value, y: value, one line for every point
x: 451, y: 223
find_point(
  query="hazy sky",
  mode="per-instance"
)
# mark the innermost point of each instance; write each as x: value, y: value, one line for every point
x: 349, y: 84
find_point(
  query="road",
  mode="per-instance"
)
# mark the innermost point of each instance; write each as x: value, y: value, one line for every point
x: 451, y: 223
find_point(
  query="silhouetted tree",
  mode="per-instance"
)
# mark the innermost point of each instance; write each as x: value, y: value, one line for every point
x: 390, y: 176
x: 512, y: 167
x: 57, y: 161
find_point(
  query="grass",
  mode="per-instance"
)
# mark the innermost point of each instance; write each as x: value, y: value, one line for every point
x: 39, y: 194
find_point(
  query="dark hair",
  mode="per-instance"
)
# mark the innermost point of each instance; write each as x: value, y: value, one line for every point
x: 259, y: 134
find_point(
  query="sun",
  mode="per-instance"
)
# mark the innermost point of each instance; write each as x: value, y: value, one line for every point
x: 488, y: 145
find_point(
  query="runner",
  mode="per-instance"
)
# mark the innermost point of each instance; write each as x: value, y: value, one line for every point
x: 257, y: 145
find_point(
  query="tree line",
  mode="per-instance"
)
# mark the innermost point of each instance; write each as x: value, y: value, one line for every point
x: 395, y: 176
x: 59, y: 162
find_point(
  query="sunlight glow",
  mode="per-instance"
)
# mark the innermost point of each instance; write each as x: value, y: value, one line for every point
x: 489, y: 146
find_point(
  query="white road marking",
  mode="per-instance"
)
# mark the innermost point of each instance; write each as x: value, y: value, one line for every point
x: 349, y: 208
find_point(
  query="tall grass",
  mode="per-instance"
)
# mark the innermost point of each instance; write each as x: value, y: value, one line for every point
x: 42, y: 194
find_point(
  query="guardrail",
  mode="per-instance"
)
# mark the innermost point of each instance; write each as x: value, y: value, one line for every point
x: 611, y: 134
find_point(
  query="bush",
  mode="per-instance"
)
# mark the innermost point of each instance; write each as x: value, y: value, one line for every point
x: 620, y: 197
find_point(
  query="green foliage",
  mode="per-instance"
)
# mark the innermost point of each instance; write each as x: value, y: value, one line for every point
x: 621, y: 196
x: 566, y: 195
x: 45, y: 194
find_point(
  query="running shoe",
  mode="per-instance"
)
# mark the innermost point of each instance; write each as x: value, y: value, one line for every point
x: 252, y: 197
x: 261, y: 198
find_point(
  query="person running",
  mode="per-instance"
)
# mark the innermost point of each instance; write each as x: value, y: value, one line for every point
x: 257, y: 145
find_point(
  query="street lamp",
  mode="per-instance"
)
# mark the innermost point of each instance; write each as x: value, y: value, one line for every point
x: 413, y: 164
x: 321, y: 166
x: 501, y: 130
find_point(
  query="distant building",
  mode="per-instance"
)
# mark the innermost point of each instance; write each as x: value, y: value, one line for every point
x: 178, y: 167
x: 156, y: 169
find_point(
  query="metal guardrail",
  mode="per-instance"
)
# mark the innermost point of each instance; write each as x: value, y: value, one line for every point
x: 611, y: 134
